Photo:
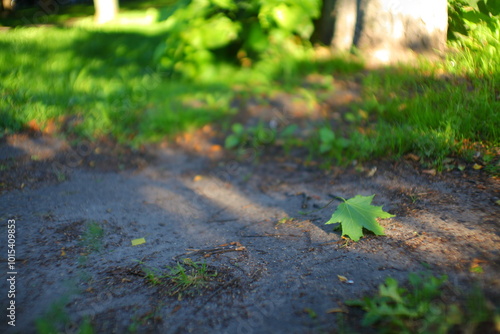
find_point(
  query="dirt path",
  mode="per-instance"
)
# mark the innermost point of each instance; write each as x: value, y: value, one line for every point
x: 277, y: 269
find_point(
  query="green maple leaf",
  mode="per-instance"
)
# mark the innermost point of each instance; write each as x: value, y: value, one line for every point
x: 356, y: 213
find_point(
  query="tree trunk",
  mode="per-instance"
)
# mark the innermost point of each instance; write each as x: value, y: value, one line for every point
x: 7, y: 5
x: 388, y: 31
x: 5, y: 8
x: 105, y: 10
x: 323, y: 26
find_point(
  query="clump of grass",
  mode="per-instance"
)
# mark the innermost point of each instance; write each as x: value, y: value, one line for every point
x: 56, y: 319
x: 99, y: 82
x: 92, y: 237
x: 189, y: 276
x: 185, y: 278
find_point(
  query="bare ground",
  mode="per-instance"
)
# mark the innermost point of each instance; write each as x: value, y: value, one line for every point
x: 277, y: 267
x: 230, y: 213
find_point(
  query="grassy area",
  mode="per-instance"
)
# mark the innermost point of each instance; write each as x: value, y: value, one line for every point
x: 432, y: 113
x: 98, y: 82
x: 104, y: 81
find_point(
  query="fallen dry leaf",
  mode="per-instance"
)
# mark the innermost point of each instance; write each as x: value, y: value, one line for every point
x: 429, y: 171
x: 371, y: 172
x: 411, y: 156
x: 50, y: 127
x: 33, y: 125
x: 336, y: 310
x: 215, y: 148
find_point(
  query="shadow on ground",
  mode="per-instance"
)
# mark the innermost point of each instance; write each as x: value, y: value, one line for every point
x: 242, y: 218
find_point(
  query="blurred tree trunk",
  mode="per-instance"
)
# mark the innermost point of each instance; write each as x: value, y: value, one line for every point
x: 105, y: 10
x: 6, y: 5
x: 386, y: 31
x: 5, y: 8
x: 323, y: 26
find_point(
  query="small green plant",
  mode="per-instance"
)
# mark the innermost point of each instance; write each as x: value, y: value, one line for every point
x: 254, y: 137
x: 422, y: 308
x: 287, y: 137
x: 479, y: 311
x: 183, y: 278
x: 418, y: 310
x: 92, y: 237
x: 356, y: 214
x: 153, y: 276
x: 189, y: 276
x: 311, y: 313
x: 237, y: 138
x: 330, y: 145
x: 285, y: 220
x: 61, y: 177
x: 56, y: 319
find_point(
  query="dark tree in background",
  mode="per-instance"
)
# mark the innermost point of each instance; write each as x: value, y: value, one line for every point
x: 385, y: 31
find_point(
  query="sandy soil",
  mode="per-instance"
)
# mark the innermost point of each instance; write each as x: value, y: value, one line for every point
x: 241, y: 216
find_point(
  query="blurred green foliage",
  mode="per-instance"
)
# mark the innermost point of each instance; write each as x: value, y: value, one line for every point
x: 126, y: 79
x: 424, y: 307
x: 206, y: 36
x: 474, y: 31
x: 463, y: 12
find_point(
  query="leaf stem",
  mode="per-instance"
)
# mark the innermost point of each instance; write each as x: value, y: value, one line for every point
x: 334, y: 197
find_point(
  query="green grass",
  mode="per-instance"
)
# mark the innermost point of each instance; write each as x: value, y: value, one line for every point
x: 185, y: 278
x: 103, y: 81
x: 92, y: 237
x: 430, y: 115
x: 449, y: 108
x: 56, y: 319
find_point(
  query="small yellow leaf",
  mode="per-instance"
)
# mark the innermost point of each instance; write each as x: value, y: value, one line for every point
x: 412, y: 156
x: 363, y: 114
x: 497, y: 202
x: 477, y: 166
x: 371, y: 172
x: 63, y: 253
x: 342, y: 278
x: 429, y: 171
x: 336, y: 310
x: 139, y: 241
x: 197, y: 178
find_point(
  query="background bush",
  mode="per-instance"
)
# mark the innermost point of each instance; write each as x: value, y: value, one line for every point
x: 207, y: 36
